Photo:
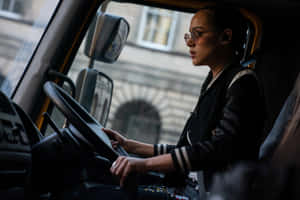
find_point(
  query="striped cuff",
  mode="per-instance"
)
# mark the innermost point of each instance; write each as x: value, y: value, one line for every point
x: 181, y: 159
x: 160, y: 149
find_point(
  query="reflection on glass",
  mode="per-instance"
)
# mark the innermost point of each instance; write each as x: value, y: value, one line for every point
x: 25, y: 23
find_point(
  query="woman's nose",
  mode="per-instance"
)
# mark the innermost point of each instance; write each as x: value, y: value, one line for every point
x: 190, y: 42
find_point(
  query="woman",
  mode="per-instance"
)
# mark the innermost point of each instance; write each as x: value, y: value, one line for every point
x: 227, y: 122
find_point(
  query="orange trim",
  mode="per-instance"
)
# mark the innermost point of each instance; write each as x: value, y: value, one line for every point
x: 40, y: 118
x: 257, y: 23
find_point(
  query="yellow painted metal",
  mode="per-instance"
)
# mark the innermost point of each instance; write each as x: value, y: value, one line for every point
x: 40, y: 118
x: 257, y: 23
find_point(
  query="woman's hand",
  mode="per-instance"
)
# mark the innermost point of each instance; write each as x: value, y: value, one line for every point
x: 116, y: 138
x: 130, y: 146
x: 123, y: 166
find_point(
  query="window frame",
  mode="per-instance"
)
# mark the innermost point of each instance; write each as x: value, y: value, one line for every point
x: 10, y: 12
x: 154, y: 45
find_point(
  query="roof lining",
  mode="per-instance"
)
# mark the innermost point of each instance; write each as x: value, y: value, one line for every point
x: 261, y: 8
x: 186, y: 6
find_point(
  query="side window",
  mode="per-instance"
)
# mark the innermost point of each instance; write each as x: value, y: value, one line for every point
x: 157, y: 28
x: 23, y: 23
x: 11, y: 8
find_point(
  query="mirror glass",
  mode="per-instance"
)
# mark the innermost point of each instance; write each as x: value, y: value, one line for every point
x: 94, y: 92
x: 110, y: 41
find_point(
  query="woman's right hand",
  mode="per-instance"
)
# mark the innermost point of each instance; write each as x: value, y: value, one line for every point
x: 116, y: 138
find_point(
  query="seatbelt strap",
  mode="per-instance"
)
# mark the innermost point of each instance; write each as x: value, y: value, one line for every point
x: 241, y: 74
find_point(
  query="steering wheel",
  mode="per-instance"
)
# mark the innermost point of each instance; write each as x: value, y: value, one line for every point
x: 89, y: 130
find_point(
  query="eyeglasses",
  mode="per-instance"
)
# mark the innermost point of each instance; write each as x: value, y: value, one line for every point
x: 194, y: 35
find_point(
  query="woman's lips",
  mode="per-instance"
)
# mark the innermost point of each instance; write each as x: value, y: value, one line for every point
x: 193, y: 54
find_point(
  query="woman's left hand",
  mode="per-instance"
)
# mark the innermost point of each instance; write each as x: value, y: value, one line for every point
x: 123, y: 166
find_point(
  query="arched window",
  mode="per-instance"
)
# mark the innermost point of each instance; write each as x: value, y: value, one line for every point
x: 138, y: 120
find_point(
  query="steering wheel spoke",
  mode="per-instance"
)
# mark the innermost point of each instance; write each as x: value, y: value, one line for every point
x: 86, y: 128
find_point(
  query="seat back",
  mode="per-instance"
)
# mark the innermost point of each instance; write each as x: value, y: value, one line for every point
x: 274, y: 137
x: 283, y: 142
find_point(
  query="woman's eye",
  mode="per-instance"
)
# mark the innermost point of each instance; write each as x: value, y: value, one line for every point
x: 198, y: 34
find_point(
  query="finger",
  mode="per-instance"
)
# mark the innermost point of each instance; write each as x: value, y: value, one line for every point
x: 108, y: 130
x: 114, y: 144
x: 120, y: 168
x: 110, y: 133
x: 114, y: 166
x: 118, y: 164
x: 127, y: 170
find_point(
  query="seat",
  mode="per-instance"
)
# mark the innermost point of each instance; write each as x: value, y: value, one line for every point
x: 285, y: 128
x: 287, y: 151
x: 277, y: 174
x: 277, y: 132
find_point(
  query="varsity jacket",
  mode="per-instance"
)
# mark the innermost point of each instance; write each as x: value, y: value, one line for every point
x: 225, y: 127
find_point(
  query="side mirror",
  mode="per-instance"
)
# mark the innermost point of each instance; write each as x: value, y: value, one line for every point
x: 94, y: 92
x: 106, y: 38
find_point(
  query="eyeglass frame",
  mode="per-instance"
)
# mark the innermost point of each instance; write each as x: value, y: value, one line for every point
x: 191, y: 35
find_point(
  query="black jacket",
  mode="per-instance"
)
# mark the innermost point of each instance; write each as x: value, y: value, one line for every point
x: 225, y: 127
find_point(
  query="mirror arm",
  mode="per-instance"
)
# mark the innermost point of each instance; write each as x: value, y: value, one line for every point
x: 64, y: 78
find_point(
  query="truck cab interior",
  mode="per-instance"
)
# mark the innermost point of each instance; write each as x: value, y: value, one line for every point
x: 72, y: 160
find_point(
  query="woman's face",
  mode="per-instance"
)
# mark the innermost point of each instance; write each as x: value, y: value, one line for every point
x: 204, y: 41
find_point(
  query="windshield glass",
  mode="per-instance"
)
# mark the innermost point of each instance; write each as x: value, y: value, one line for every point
x: 23, y: 24
x: 155, y: 84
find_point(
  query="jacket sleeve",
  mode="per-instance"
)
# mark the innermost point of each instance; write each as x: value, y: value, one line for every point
x: 160, y: 149
x: 231, y: 139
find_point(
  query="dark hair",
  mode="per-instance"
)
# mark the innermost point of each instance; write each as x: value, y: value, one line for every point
x: 227, y: 17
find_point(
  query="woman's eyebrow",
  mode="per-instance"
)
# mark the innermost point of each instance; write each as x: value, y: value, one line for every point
x: 197, y: 27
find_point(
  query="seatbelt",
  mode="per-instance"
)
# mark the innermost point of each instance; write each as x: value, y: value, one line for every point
x: 241, y: 74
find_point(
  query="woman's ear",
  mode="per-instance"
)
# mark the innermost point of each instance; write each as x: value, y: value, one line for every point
x: 226, y: 36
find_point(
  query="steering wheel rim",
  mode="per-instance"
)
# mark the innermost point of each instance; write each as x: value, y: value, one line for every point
x: 87, y: 126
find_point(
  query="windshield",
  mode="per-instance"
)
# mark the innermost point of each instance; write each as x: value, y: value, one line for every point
x: 155, y: 84
x: 23, y: 24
